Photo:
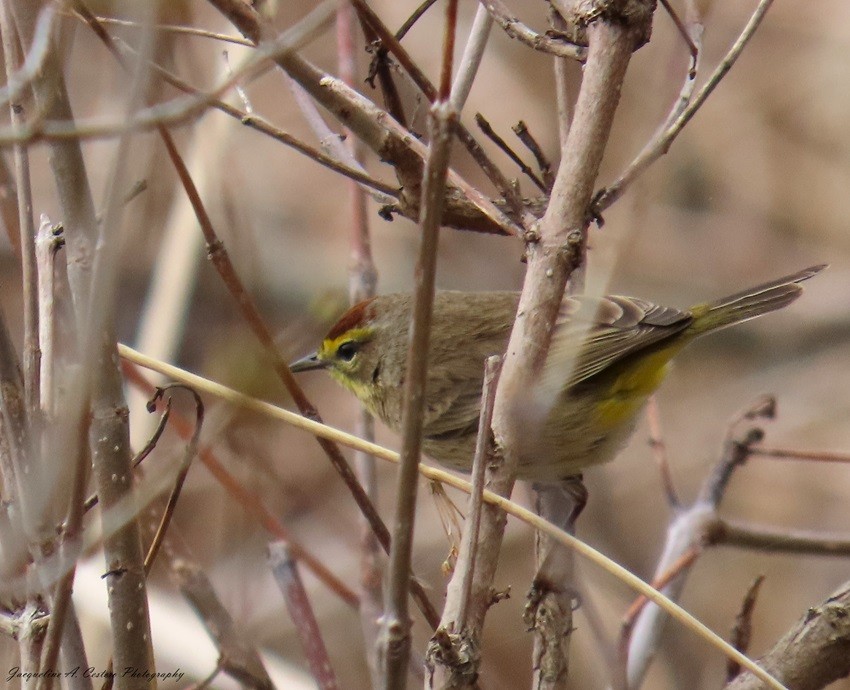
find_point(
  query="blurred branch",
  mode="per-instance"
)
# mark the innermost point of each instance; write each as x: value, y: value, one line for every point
x: 688, y: 530
x: 743, y: 628
x: 493, y: 500
x: 813, y: 653
x: 94, y: 401
x: 729, y: 533
x: 286, y: 575
x: 19, y: 77
x: 237, y: 658
x: 23, y: 186
x: 792, y: 454
x: 362, y: 282
x: 174, y: 29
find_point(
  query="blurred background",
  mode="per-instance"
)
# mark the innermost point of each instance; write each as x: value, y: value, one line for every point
x: 757, y: 186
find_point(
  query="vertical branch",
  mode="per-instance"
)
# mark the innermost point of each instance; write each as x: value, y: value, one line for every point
x: 91, y: 278
x: 362, y: 282
x: 286, y: 573
x: 553, y: 252
x: 395, y: 633
x: 23, y: 185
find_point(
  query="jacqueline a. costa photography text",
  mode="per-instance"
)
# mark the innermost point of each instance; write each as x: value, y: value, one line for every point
x: 92, y: 672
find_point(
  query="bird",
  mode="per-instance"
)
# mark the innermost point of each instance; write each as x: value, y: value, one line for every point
x: 606, y: 357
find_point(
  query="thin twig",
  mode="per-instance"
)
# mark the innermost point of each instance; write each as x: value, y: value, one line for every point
x: 482, y: 457
x: 814, y: 653
x: 395, y: 630
x: 177, y: 29
x: 485, y: 127
x: 792, y: 454
x: 743, y: 627
x: 525, y: 136
x: 660, y: 145
x: 183, y: 470
x: 286, y: 574
x: 683, y: 32
x: 514, y: 28
x: 659, y: 451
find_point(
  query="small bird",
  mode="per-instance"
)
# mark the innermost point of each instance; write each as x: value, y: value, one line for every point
x: 606, y: 357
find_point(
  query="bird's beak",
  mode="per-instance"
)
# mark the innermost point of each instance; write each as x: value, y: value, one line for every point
x: 308, y: 363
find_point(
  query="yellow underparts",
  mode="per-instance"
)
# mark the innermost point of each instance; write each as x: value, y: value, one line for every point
x: 630, y: 389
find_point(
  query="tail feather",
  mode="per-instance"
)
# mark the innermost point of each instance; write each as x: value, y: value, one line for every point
x: 749, y: 303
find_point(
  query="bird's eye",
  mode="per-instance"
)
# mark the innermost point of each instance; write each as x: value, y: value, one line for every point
x: 347, y: 350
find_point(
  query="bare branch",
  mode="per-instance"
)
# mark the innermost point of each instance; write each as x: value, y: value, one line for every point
x: 237, y: 658
x: 287, y: 577
x: 813, y: 653
x: 743, y: 627
x: 680, y: 117
x: 514, y: 28
x: 395, y: 630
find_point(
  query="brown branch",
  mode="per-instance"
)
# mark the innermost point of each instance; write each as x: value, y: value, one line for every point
x: 676, y: 123
x: 236, y: 658
x: 813, y: 653
x: 792, y: 454
x: 395, y: 630
x: 525, y: 136
x: 692, y: 528
x: 659, y: 451
x: 286, y: 574
x: 514, y: 28
x: 391, y: 43
x: 466, y: 207
x: 362, y: 282
x: 730, y: 533
x: 183, y: 470
x: 743, y: 627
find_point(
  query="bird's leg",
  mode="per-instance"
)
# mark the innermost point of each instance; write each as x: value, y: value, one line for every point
x: 549, y: 608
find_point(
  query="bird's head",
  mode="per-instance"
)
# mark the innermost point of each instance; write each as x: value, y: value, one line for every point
x: 350, y: 351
